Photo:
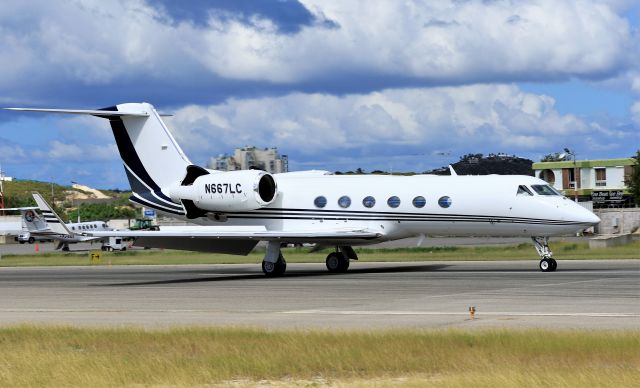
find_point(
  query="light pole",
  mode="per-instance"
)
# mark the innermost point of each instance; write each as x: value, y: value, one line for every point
x: 575, y: 173
x: 77, y: 201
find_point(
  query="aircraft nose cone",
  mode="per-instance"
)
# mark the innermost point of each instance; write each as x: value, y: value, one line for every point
x: 587, y: 217
x: 592, y: 218
x: 579, y: 214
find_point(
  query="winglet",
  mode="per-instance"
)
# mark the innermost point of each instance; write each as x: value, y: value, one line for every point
x: 453, y: 172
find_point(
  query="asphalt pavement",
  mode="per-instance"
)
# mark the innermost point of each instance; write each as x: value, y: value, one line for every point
x: 598, y: 294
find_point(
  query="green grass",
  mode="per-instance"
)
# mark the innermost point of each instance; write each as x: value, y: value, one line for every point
x: 64, y: 356
x: 562, y: 251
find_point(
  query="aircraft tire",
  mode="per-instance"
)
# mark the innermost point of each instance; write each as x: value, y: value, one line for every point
x: 554, y: 264
x: 65, y: 249
x: 274, y: 269
x: 336, y: 262
x: 545, y: 265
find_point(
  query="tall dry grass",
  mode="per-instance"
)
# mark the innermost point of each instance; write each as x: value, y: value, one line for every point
x: 65, y: 356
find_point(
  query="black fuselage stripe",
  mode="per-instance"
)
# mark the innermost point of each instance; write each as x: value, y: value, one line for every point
x: 338, y: 214
x: 365, y: 213
x: 130, y: 156
x: 154, y: 206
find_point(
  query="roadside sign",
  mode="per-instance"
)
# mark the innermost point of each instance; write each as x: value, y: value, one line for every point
x: 94, y: 257
x: 149, y: 213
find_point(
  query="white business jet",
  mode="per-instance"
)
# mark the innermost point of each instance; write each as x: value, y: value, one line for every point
x: 237, y: 209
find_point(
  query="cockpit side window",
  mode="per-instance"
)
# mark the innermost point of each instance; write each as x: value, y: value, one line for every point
x: 524, y: 190
x: 545, y: 190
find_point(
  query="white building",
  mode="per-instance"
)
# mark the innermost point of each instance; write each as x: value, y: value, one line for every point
x: 246, y: 158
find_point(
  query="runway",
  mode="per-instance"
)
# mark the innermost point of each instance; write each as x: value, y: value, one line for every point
x: 581, y: 294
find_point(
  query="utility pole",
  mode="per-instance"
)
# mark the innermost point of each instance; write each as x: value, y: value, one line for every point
x: 1, y: 190
x: 575, y: 173
x: 53, y: 198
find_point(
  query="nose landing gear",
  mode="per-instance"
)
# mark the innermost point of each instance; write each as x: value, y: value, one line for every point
x: 547, y: 263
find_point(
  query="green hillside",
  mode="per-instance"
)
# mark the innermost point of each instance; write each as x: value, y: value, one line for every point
x: 18, y: 194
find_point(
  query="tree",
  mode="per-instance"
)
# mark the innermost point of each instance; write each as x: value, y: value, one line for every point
x: 555, y: 157
x: 633, y: 182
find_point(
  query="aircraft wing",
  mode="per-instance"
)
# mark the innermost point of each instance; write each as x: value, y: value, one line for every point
x: 234, y: 240
x: 257, y: 235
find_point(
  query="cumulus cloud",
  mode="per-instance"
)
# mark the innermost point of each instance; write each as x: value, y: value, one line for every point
x: 438, y: 42
x: 478, y: 117
x: 635, y: 112
x: 11, y: 152
x: 76, y: 152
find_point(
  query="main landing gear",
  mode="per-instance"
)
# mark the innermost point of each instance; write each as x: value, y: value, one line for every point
x: 275, y: 265
x: 547, y: 263
x: 338, y: 261
x: 278, y: 268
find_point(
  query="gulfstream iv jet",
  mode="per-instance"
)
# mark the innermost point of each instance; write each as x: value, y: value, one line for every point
x: 237, y: 209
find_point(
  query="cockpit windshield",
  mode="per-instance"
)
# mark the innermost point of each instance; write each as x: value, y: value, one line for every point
x: 545, y: 190
x: 524, y: 190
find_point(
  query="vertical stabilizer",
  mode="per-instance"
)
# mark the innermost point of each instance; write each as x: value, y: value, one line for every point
x: 54, y: 223
x: 32, y: 222
x: 153, y: 160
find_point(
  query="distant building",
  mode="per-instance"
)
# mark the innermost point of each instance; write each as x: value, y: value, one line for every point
x: 3, y: 177
x: 600, y: 181
x: 246, y: 158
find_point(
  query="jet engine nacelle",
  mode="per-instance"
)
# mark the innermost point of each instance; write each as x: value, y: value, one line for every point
x: 202, y: 191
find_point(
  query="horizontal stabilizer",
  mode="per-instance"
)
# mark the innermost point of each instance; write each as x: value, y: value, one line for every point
x: 82, y: 112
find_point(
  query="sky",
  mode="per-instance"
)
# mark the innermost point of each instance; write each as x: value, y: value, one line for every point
x: 334, y: 84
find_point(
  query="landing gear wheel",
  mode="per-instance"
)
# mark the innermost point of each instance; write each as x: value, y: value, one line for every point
x: 337, y: 262
x: 554, y: 264
x: 274, y: 269
x: 65, y: 249
x: 546, y: 265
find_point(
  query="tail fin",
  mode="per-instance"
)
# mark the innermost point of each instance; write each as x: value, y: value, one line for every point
x: 153, y: 160
x: 32, y: 222
x: 54, y: 223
